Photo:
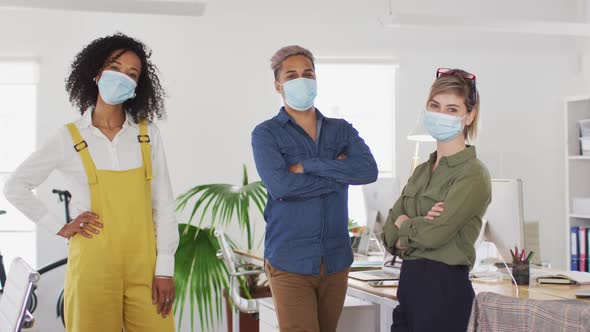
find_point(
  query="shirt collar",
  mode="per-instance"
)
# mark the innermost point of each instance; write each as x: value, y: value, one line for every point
x: 283, y: 117
x: 86, y: 121
x: 456, y: 159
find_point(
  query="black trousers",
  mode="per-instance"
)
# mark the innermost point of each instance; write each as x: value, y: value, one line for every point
x: 432, y: 296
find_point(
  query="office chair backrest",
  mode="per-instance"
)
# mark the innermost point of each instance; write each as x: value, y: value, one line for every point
x: 233, y: 266
x: 493, y: 312
x: 226, y: 251
x: 17, y: 293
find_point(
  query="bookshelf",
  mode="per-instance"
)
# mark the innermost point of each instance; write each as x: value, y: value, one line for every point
x: 577, y: 167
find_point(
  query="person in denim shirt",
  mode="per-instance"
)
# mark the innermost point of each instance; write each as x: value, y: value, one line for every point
x: 307, y: 161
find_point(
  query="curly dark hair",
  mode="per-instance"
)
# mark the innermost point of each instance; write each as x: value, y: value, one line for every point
x: 149, y: 99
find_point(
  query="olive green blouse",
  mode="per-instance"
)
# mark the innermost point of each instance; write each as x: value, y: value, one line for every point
x: 463, y: 183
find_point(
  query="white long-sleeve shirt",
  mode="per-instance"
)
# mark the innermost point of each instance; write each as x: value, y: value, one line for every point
x: 123, y: 153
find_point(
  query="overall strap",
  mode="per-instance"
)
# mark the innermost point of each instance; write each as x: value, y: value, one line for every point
x: 81, y: 147
x: 144, y: 140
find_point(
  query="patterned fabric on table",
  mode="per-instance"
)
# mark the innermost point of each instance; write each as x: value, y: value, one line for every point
x: 492, y: 312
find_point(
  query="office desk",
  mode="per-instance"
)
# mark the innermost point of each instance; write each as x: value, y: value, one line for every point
x: 535, y: 292
x: 385, y: 298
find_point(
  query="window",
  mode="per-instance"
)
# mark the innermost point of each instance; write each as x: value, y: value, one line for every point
x: 18, y: 92
x: 363, y: 93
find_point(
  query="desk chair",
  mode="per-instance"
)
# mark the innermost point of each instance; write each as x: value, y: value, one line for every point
x: 497, y: 313
x: 236, y: 271
x: 17, y: 293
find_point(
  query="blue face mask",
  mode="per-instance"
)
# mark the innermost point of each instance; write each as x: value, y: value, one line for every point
x: 443, y: 127
x: 300, y: 93
x: 115, y: 88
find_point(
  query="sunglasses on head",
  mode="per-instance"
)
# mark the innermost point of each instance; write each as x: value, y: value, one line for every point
x: 467, y: 76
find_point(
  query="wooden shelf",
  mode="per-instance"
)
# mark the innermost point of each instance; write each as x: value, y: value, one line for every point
x: 580, y: 216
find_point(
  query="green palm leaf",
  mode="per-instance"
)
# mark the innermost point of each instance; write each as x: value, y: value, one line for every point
x: 224, y: 202
x: 198, y: 271
x: 201, y: 273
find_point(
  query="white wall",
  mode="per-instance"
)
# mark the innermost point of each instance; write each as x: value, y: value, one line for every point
x: 216, y: 71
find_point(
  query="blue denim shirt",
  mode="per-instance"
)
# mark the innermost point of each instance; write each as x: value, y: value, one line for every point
x: 307, y: 214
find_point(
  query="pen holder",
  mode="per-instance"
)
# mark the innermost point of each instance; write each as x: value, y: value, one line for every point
x: 521, y: 271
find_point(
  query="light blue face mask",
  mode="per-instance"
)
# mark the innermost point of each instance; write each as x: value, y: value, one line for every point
x: 115, y: 88
x: 300, y: 93
x: 442, y: 127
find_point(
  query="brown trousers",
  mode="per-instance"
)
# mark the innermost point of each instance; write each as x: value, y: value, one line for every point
x: 307, y: 303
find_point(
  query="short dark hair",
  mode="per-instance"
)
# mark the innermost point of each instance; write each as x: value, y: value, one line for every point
x: 286, y: 52
x: 88, y: 63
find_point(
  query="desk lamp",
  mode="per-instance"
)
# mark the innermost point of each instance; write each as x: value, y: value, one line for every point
x: 418, y: 135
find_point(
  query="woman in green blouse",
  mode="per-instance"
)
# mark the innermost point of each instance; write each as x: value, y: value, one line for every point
x: 435, y: 222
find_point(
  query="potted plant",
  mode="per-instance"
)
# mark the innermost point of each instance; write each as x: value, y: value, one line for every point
x: 198, y: 270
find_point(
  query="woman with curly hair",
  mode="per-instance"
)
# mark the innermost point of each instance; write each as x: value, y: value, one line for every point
x: 123, y: 240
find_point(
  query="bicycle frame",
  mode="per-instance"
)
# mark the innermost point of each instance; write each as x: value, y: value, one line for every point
x: 2, y: 269
x: 2, y: 275
x: 64, y: 196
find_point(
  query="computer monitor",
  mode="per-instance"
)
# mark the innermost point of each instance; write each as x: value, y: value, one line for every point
x: 504, y: 219
x: 379, y: 197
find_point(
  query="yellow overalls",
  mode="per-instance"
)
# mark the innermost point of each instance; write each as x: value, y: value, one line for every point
x: 109, y: 277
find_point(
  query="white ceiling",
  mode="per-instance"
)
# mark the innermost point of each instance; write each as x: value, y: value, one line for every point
x: 157, y: 7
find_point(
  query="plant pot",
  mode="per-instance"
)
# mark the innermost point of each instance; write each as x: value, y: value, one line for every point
x: 248, y: 322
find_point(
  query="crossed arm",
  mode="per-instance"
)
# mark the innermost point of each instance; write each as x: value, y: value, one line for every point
x: 356, y: 167
x: 442, y: 222
x: 312, y: 177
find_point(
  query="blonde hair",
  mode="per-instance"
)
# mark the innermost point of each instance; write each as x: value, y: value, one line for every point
x: 455, y: 83
x: 285, y: 52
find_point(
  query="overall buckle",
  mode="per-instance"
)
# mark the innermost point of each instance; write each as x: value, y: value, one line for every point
x: 78, y: 148
x: 143, y: 138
